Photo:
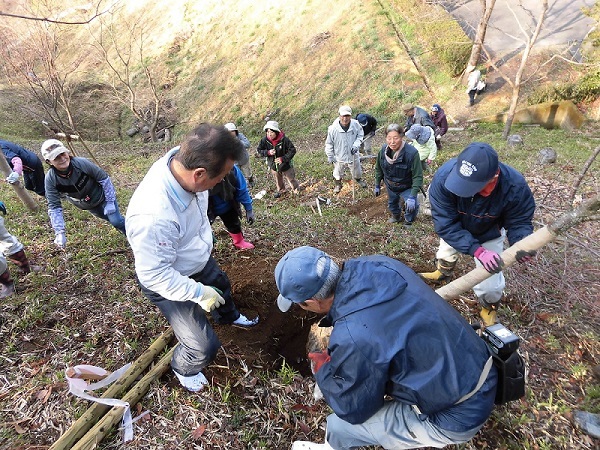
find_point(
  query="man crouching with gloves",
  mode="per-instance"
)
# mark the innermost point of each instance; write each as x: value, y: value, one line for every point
x: 403, y: 369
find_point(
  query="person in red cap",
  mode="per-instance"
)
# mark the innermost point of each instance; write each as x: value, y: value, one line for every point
x: 477, y: 202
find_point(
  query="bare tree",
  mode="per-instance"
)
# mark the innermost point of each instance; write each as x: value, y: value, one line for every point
x: 487, y: 6
x: 122, y: 49
x: 43, y: 74
x: 530, y: 38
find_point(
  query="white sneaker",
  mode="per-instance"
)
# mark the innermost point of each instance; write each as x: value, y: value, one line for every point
x: 193, y: 383
x: 244, y: 322
x: 305, y: 445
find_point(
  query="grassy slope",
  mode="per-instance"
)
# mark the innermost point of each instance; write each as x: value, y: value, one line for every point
x: 232, y: 65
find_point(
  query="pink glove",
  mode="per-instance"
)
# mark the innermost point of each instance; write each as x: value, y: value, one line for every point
x: 17, y: 165
x: 490, y: 260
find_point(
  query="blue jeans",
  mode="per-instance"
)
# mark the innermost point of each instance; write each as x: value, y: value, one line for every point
x: 115, y: 219
x: 395, y: 206
x: 198, y: 343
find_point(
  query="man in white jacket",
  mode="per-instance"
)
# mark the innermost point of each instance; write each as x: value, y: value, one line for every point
x: 171, y: 238
x: 344, y: 137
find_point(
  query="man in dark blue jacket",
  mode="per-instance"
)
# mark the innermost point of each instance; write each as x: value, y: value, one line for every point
x: 392, y: 336
x: 475, y: 203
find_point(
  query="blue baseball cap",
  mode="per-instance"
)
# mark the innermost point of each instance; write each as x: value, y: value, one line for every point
x: 297, y: 278
x: 362, y: 119
x: 475, y: 167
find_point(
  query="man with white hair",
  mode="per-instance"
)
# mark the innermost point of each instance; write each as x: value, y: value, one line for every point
x: 344, y: 137
x: 442, y: 389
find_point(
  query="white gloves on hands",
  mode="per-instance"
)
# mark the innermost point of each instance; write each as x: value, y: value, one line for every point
x: 210, y: 299
x: 61, y: 240
x: 13, y: 177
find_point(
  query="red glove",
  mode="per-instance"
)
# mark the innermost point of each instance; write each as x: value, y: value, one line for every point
x: 524, y: 256
x: 317, y: 359
x: 490, y: 260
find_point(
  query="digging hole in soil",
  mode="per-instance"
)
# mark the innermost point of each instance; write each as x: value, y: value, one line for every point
x: 279, y: 336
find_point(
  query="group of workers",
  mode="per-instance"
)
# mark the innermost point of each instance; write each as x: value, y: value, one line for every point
x: 390, y: 370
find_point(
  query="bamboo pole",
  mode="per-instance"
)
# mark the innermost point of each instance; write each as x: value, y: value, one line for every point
x: 18, y: 187
x: 95, y: 412
x: 104, y: 425
x: 534, y: 241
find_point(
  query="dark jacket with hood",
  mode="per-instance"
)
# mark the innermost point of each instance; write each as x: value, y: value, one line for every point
x: 440, y: 121
x: 392, y: 335
x: 229, y: 194
x: 30, y: 160
x: 283, y: 149
x: 466, y: 223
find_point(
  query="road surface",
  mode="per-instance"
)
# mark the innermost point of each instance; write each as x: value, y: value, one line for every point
x: 565, y: 24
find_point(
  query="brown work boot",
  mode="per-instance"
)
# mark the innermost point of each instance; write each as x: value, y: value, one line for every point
x: 442, y: 273
x: 21, y: 261
x: 7, y: 286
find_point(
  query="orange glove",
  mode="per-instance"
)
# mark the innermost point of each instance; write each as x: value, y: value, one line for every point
x: 317, y: 359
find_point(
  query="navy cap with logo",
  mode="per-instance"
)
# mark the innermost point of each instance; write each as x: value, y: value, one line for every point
x: 362, y: 119
x: 297, y: 277
x: 475, y: 167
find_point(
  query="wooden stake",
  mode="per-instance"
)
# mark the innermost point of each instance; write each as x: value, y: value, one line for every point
x: 97, y: 410
x: 104, y: 425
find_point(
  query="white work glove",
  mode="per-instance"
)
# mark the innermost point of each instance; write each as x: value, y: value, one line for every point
x: 61, y: 240
x: 211, y: 298
x: 331, y: 159
x: 109, y: 208
x: 13, y: 177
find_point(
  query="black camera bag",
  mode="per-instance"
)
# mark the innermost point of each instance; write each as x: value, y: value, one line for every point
x: 511, y: 377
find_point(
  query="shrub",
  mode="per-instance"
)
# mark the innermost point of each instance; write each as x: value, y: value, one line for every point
x: 585, y: 89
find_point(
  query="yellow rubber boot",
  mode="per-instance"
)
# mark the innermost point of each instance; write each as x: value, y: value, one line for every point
x: 488, y: 315
x: 442, y: 273
x: 436, y: 275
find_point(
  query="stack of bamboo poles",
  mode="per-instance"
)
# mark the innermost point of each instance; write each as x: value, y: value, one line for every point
x: 98, y: 420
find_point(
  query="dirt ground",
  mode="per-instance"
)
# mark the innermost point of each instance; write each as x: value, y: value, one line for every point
x: 278, y: 336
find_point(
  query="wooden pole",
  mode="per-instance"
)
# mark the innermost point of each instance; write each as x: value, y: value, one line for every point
x: 534, y: 241
x: 102, y: 428
x: 18, y: 187
x: 95, y: 412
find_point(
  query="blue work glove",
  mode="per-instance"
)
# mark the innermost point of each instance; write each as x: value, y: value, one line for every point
x: 2, y: 208
x: 13, y: 177
x: 250, y: 217
x: 109, y: 208
x: 377, y: 190
x: 411, y: 204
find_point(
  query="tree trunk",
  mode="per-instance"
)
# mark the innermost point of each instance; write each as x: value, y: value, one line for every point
x: 518, y: 77
x: 486, y: 13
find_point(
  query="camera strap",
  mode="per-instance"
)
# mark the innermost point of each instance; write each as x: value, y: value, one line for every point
x: 484, y: 374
